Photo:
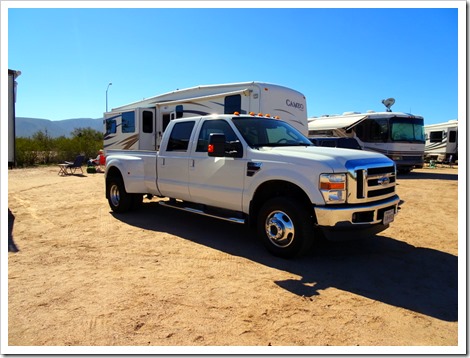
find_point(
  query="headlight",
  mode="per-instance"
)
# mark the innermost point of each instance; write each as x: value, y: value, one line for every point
x: 333, y: 188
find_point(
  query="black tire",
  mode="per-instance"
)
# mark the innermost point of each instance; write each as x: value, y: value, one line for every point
x: 119, y: 200
x: 285, y: 227
x: 137, y: 200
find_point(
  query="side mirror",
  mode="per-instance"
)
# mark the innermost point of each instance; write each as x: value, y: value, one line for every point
x: 216, y: 147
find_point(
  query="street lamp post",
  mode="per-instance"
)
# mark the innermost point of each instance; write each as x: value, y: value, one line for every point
x: 109, y: 84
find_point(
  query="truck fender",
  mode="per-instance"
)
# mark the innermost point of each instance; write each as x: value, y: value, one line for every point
x: 131, y: 170
x: 306, y: 185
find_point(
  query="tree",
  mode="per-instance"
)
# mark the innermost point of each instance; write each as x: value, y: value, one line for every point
x: 87, y: 141
x: 88, y: 133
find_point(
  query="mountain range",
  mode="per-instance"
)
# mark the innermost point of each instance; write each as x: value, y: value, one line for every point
x: 26, y: 127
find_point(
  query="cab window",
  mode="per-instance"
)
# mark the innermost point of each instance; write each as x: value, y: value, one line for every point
x: 179, y: 137
x: 217, y: 126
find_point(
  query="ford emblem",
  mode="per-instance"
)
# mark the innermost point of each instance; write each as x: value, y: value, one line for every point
x: 384, y: 181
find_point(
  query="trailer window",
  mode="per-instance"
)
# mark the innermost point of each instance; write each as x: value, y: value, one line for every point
x: 179, y: 137
x: 233, y: 104
x: 452, y: 136
x: 179, y: 111
x: 128, y: 122
x: 147, y: 122
x: 110, y: 126
x: 435, y: 137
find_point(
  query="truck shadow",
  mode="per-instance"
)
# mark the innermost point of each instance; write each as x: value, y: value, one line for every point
x: 380, y: 268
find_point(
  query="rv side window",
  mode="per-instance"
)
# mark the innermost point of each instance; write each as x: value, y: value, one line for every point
x: 179, y: 111
x: 233, y: 104
x: 179, y: 137
x: 128, y: 122
x: 435, y: 137
x: 378, y: 130
x: 147, y: 122
x: 360, y: 131
x: 110, y: 126
x: 452, y: 136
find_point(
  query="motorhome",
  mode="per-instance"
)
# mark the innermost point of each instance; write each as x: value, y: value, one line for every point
x: 442, y: 141
x: 12, y: 75
x: 140, y: 125
x: 400, y: 136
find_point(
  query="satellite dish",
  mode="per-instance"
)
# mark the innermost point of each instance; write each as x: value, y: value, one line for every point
x: 388, y: 103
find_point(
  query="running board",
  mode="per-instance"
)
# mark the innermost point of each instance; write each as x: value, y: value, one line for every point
x: 182, y: 206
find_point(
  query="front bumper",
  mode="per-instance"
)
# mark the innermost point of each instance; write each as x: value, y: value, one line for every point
x: 353, y: 221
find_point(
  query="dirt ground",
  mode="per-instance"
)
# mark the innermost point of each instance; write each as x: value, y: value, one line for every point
x: 85, y: 276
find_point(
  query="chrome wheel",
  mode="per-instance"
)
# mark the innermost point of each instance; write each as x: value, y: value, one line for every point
x: 279, y: 229
x: 114, y: 195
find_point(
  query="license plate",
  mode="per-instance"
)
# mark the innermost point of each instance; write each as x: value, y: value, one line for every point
x: 389, y: 215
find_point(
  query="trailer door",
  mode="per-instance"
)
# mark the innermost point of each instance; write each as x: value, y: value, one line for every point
x: 147, y: 129
x: 452, y: 142
x: 164, y: 114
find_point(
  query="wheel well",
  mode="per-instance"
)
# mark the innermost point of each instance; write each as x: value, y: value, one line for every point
x: 272, y: 189
x: 113, y: 172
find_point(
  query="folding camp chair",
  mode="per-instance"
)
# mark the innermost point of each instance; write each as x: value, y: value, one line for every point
x: 67, y: 168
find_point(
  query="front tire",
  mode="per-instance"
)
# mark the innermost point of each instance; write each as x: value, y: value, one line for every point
x: 119, y: 200
x: 285, y: 227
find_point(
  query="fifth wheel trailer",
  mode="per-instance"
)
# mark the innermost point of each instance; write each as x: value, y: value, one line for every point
x: 140, y: 125
x: 442, y: 141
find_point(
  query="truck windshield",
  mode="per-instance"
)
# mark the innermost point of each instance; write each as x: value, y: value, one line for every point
x: 264, y: 132
x: 407, y: 129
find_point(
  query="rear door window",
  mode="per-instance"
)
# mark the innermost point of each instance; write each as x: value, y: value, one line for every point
x: 180, y: 136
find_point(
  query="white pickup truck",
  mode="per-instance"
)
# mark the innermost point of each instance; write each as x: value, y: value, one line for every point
x: 259, y: 170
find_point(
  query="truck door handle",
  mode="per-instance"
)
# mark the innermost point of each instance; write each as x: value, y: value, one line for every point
x: 192, y: 163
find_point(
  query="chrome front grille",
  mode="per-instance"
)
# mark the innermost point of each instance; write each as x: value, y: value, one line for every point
x: 370, y: 181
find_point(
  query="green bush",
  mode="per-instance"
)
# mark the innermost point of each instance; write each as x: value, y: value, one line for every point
x: 26, y: 152
x: 41, y: 148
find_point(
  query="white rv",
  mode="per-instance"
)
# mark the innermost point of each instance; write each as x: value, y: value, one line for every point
x: 12, y: 75
x: 398, y: 135
x: 442, y: 141
x: 140, y: 125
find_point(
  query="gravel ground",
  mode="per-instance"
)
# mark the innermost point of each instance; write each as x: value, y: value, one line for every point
x: 161, y: 280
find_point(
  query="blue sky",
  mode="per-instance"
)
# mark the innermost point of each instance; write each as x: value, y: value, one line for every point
x: 341, y: 59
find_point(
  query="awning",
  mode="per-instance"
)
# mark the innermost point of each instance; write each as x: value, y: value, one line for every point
x: 327, y: 123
